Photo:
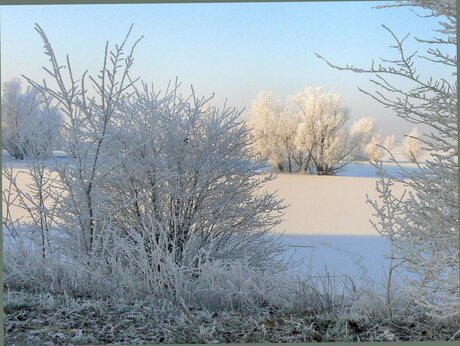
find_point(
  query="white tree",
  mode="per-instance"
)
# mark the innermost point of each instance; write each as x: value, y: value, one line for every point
x: 264, y: 123
x: 413, y: 146
x: 303, y: 142
x: 322, y: 133
x: 29, y: 124
x: 285, y: 133
x: 368, y: 149
x: 373, y: 150
x: 376, y: 150
x: 424, y: 225
x: 389, y: 142
x: 307, y: 132
x: 273, y: 127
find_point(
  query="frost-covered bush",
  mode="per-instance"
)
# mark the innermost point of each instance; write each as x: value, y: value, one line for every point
x: 307, y: 132
x: 156, y: 187
x: 230, y: 285
x: 423, y: 224
x: 190, y: 171
x: 30, y: 126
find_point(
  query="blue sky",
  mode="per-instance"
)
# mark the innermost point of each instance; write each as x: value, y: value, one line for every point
x: 233, y: 50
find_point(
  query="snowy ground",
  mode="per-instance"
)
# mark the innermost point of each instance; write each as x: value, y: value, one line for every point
x: 326, y: 205
x: 8, y: 161
x: 367, y: 170
x: 326, y: 222
x: 361, y: 258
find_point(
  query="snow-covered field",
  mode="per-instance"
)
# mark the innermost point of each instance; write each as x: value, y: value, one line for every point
x: 326, y: 222
x: 328, y: 204
x: 360, y: 257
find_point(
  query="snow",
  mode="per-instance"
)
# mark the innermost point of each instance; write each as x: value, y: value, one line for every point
x: 367, y: 170
x: 10, y: 162
x: 360, y: 257
x: 326, y: 222
x: 326, y: 204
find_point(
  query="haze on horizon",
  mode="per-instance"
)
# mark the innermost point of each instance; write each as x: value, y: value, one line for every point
x: 234, y: 50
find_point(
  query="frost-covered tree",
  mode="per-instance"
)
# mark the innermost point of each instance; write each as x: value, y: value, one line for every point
x: 303, y: 142
x: 286, y: 135
x: 424, y: 224
x: 376, y: 150
x: 307, y: 132
x: 272, y: 129
x: 322, y: 132
x: 412, y: 146
x: 367, y: 148
x: 389, y: 142
x: 373, y: 151
x: 29, y: 124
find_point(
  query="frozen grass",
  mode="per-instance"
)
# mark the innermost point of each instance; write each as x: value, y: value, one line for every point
x: 44, y: 319
x: 215, y: 285
x: 220, y: 301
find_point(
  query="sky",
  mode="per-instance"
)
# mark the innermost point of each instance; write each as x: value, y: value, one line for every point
x: 232, y: 50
